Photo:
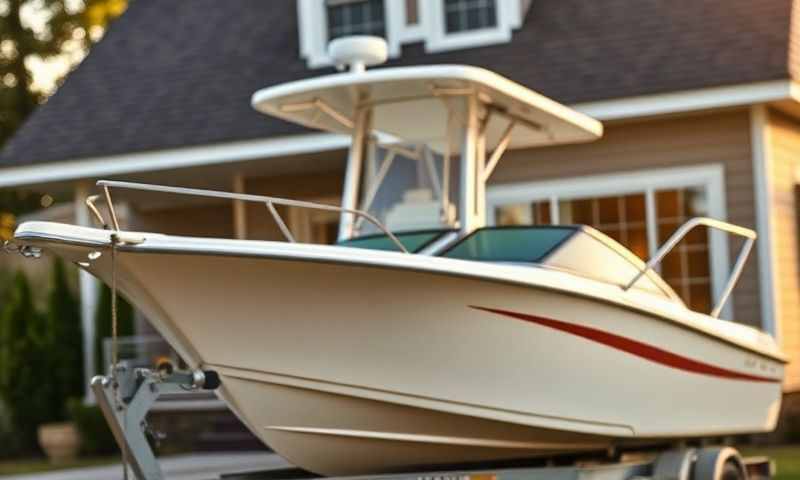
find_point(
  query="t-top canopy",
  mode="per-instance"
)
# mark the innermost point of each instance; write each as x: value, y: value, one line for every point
x: 412, y: 103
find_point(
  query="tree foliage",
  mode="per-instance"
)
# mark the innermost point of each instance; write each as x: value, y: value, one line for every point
x: 66, y: 342
x: 27, y: 388
x: 125, y: 325
x: 31, y: 32
x: 44, y: 30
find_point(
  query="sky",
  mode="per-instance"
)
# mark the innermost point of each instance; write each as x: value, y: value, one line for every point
x: 46, y: 73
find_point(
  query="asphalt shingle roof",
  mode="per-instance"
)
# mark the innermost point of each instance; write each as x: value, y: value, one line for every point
x: 180, y: 73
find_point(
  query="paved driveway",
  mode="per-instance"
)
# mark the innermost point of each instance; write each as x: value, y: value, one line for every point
x: 179, y: 467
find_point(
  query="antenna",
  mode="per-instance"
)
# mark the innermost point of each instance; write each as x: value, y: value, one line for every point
x: 358, y: 52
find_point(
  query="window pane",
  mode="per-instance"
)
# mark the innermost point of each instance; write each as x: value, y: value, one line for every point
x: 687, y: 267
x: 578, y: 212
x: 453, y: 21
x: 412, y: 12
x: 700, y: 297
x: 542, y: 213
x: 355, y: 17
x: 536, y: 213
x: 637, y: 241
x: 465, y: 15
x: 473, y: 19
x: 620, y: 217
x: 635, y: 209
x: 668, y: 204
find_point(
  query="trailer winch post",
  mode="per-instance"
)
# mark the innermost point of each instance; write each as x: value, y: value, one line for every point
x: 126, y: 396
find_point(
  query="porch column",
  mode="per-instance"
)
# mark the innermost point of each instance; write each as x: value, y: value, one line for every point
x: 239, y: 209
x: 89, y: 289
x: 763, y: 180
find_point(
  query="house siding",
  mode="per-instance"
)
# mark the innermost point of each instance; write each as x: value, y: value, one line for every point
x: 784, y: 150
x: 215, y: 218
x: 719, y: 138
x: 205, y: 220
x: 311, y: 187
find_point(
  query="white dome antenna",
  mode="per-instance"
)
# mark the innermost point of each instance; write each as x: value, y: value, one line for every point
x: 358, y: 52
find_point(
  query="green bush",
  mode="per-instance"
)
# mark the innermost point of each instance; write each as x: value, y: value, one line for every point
x: 96, y: 437
x: 5, y: 281
x: 103, y: 324
x: 64, y: 326
x: 27, y: 386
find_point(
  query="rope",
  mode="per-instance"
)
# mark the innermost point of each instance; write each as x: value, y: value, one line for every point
x: 115, y: 340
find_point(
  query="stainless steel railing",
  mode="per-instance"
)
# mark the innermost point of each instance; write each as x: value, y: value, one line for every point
x: 681, y: 232
x: 270, y: 203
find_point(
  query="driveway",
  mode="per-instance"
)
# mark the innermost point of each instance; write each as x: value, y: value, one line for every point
x: 179, y: 467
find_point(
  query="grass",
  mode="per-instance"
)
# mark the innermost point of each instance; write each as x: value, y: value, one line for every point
x: 38, y: 465
x: 786, y: 458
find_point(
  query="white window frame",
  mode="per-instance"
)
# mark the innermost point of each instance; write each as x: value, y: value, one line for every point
x: 406, y: 33
x: 430, y: 28
x: 709, y: 177
x: 313, y: 29
x: 508, y: 14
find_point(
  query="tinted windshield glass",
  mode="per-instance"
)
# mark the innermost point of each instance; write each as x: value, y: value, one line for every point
x: 413, y: 241
x: 527, y: 244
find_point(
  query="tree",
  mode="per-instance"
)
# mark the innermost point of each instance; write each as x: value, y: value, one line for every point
x: 66, y: 336
x: 32, y: 32
x: 26, y: 386
x: 125, y: 325
x: 43, y: 30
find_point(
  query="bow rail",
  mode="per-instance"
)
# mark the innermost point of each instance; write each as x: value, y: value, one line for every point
x: 270, y: 203
x: 682, y: 231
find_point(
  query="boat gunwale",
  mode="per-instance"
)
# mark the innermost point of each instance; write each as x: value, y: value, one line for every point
x: 315, y: 257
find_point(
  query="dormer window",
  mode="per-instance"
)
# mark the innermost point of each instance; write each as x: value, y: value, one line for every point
x: 466, y: 15
x: 439, y: 24
x: 355, y: 17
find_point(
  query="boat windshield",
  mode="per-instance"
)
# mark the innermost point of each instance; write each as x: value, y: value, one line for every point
x: 409, y: 176
x: 413, y: 241
x: 577, y: 249
x: 510, y: 244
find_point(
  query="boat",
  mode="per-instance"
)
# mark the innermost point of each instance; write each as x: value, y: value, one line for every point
x: 425, y: 337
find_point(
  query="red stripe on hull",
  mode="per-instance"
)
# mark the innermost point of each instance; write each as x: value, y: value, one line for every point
x: 634, y: 347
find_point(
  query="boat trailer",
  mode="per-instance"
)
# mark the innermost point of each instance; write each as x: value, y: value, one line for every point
x: 126, y: 395
x: 714, y: 463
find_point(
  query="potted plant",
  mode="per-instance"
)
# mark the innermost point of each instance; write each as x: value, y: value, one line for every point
x: 60, y: 441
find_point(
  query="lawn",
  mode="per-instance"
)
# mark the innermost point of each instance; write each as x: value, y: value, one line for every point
x: 786, y: 458
x: 36, y: 465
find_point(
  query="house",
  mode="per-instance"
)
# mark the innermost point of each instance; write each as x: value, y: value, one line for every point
x: 698, y: 99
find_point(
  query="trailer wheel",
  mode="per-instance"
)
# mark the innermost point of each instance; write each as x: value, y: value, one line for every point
x: 719, y: 463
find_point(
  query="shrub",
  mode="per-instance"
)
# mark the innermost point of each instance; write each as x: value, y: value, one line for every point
x: 66, y: 337
x: 96, y: 437
x: 103, y: 324
x: 27, y: 388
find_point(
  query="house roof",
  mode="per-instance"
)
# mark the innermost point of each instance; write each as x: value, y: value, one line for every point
x: 177, y: 74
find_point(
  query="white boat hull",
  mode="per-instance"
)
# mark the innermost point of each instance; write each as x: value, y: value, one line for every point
x: 348, y: 369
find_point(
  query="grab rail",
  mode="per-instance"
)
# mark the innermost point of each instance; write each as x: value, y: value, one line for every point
x: 681, y: 232
x: 270, y: 202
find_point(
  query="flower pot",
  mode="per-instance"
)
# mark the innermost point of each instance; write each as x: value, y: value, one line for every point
x: 60, y: 441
